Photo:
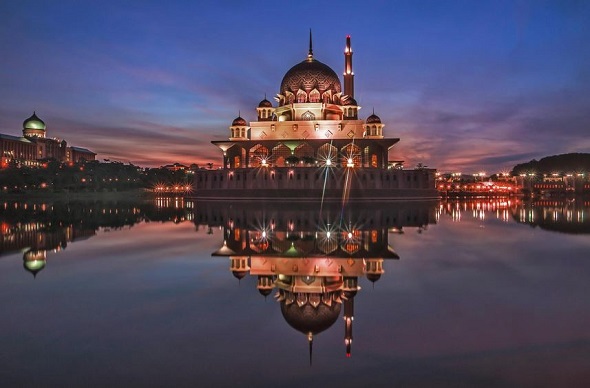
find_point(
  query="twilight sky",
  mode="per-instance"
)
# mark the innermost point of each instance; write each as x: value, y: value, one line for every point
x: 467, y: 85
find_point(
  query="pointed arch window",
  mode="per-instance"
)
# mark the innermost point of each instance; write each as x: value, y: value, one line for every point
x: 351, y: 151
x: 303, y: 150
x: 301, y: 96
x: 327, y: 154
x: 374, y: 160
x: 314, y: 96
x: 258, y: 153
x: 279, y: 154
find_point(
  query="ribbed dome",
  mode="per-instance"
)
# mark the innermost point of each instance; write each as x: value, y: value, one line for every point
x: 309, y: 319
x: 34, y: 122
x: 265, y: 104
x: 308, y: 75
x: 239, y: 121
x: 373, y: 119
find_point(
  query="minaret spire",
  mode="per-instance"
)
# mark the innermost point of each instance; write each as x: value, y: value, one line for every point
x: 348, y: 73
x: 310, y: 53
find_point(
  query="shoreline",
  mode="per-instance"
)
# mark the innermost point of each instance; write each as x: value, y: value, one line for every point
x: 127, y: 195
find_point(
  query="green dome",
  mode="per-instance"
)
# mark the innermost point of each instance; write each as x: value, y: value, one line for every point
x: 34, y: 122
x: 34, y: 261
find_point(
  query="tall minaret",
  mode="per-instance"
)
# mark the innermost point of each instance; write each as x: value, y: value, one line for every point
x: 348, y: 73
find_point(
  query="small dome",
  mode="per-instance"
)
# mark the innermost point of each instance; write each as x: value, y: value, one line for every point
x: 239, y: 121
x: 265, y: 104
x: 350, y: 102
x: 239, y: 274
x: 373, y: 277
x: 373, y: 119
x: 265, y: 291
x: 34, y: 122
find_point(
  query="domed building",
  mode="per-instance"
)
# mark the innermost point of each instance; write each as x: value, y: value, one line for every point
x: 34, y: 146
x: 34, y: 127
x: 311, y: 144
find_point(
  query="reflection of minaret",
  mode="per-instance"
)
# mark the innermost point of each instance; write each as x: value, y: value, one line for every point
x: 348, y: 73
x: 350, y: 288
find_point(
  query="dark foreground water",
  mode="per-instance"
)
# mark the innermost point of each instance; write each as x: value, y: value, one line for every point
x: 488, y: 293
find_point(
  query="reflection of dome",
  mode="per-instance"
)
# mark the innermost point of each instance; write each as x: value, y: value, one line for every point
x: 308, y: 319
x: 239, y: 274
x: 265, y: 104
x: 34, y: 122
x: 308, y: 75
x: 373, y: 119
x: 239, y: 121
x: 373, y: 277
x: 34, y: 261
x: 265, y: 291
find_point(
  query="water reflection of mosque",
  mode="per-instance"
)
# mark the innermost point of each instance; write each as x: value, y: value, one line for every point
x: 313, y: 256
x: 42, y: 229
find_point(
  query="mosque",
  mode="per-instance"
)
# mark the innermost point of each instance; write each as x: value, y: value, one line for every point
x: 34, y: 146
x: 311, y: 145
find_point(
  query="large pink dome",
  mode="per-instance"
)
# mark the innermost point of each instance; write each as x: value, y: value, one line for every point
x: 308, y: 75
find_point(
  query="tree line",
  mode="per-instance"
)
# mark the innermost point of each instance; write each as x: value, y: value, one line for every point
x: 88, y: 176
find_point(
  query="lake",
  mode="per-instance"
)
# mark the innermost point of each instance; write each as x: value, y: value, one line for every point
x: 170, y: 292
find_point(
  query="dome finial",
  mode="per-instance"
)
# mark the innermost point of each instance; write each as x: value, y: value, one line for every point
x: 310, y: 54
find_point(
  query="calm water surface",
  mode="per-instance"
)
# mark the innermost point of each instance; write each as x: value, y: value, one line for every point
x: 488, y: 293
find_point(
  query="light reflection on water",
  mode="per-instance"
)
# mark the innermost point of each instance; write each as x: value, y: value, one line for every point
x: 130, y: 294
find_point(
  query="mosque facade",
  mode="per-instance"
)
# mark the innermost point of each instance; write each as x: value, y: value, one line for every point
x: 34, y: 147
x: 312, y: 143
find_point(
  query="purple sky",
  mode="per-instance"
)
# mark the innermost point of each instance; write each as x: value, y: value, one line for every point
x: 467, y: 85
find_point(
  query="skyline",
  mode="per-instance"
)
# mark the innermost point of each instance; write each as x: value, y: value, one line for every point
x: 465, y: 86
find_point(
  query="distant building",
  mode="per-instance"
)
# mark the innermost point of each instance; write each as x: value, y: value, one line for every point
x: 35, y: 147
x: 176, y: 167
